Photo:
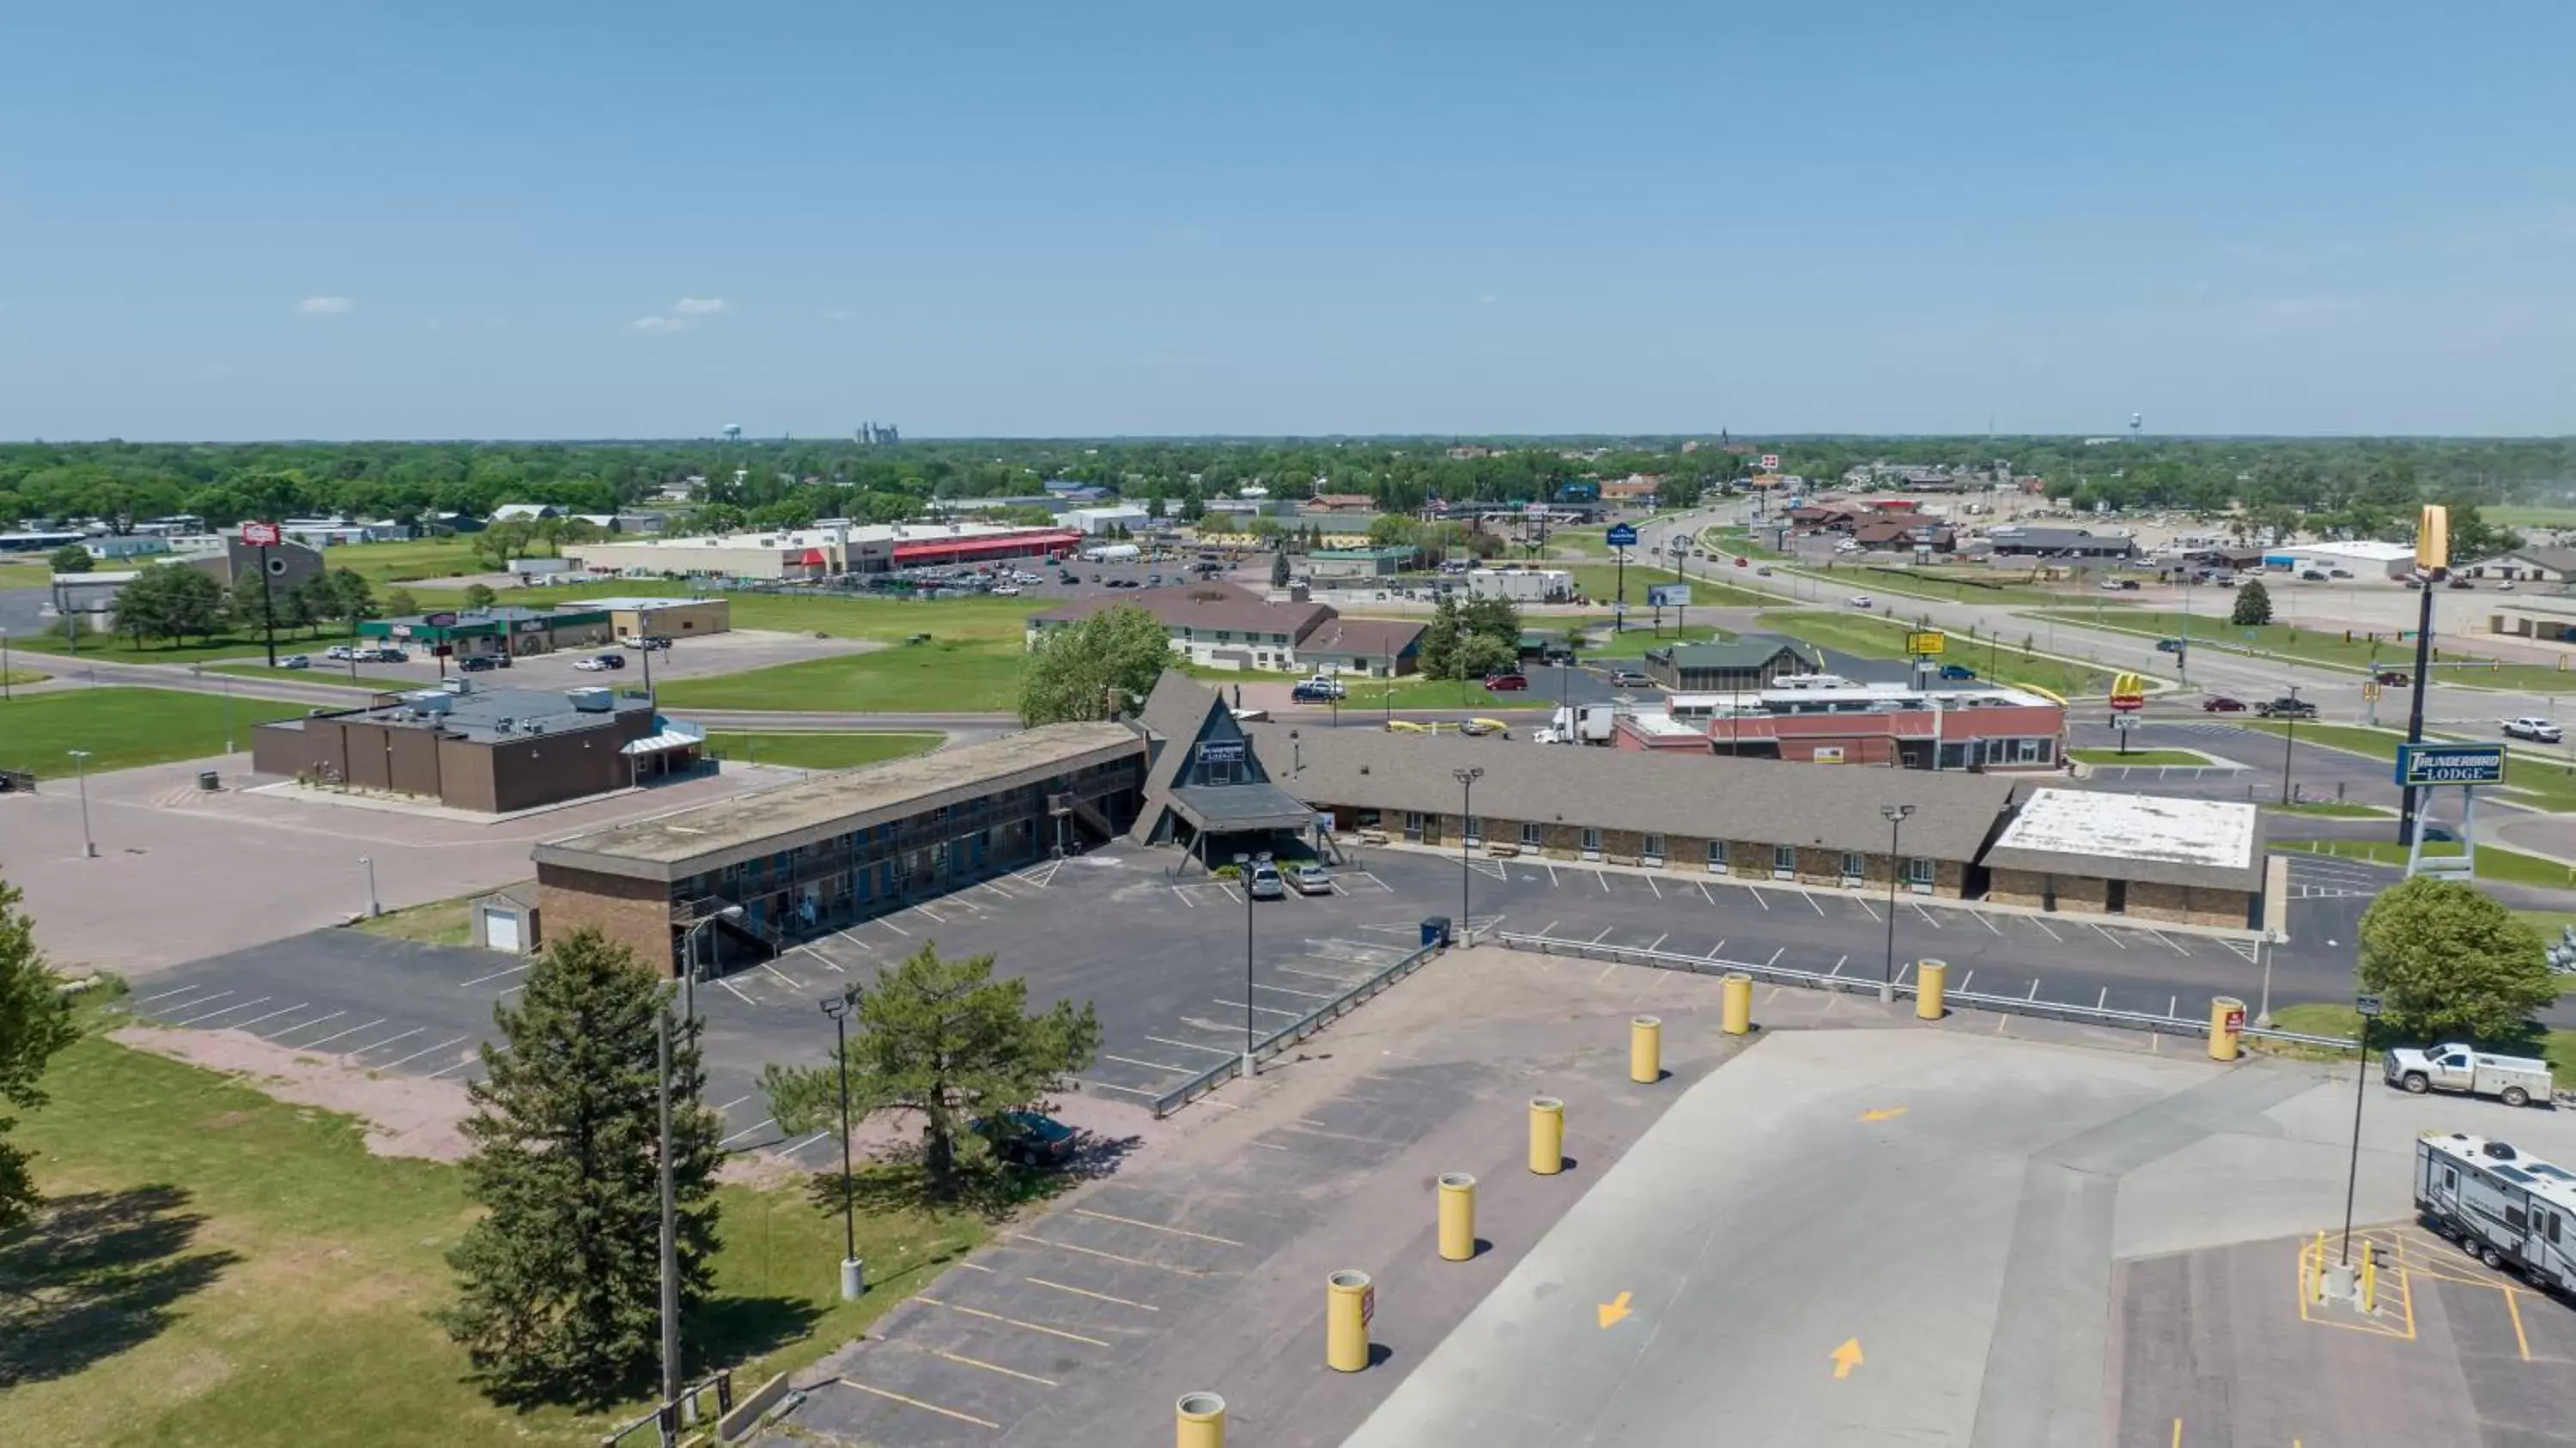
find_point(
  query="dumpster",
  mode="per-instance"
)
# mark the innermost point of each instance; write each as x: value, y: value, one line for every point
x: 1435, y: 930
x: 209, y: 781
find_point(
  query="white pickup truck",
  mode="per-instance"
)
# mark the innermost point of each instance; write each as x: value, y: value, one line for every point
x: 2539, y: 731
x: 2514, y: 1080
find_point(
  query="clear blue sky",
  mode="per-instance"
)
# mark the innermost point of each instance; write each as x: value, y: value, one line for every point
x: 645, y: 219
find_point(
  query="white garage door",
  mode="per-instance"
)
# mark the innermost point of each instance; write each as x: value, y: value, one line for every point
x: 501, y: 929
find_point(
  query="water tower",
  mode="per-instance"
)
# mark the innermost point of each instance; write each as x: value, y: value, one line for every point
x: 733, y: 431
x: 2137, y: 420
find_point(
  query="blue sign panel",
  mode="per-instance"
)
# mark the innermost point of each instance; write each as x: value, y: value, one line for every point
x: 2419, y: 765
x: 1621, y: 535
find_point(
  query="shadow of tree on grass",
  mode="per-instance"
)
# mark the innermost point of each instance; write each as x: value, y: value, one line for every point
x: 94, y: 1275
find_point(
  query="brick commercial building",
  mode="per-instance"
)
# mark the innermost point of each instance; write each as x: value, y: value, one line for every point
x: 1822, y: 719
x: 493, y: 750
x: 833, y: 849
x: 2192, y: 860
x: 500, y: 632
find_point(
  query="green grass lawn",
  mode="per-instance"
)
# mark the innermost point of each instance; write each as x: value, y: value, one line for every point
x: 2356, y: 649
x: 1873, y: 637
x: 819, y: 751
x: 2320, y: 1018
x: 1600, y: 583
x: 1956, y: 585
x: 123, y: 727
x: 2507, y: 866
x: 387, y: 564
x: 2512, y: 516
x: 1742, y: 541
x: 435, y: 922
x: 2329, y: 809
x: 2140, y: 757
x: 160, y: 651
x: 1419, y: 693
x: 943, y: 677
x: 249, y: 1275
x: 19, y: 676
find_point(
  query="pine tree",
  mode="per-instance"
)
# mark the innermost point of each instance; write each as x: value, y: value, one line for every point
x: 2253, y: 605
x: 35, y: 1022
x: 559, y: 1292
x: 1438, y: 655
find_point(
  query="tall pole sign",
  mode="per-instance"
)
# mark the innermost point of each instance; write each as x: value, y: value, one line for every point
x: 2432, y: 561
x: 264, y: 537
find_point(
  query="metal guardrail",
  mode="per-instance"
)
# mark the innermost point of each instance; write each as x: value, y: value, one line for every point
x: 1859, y: 985
x: 1293, y: 1033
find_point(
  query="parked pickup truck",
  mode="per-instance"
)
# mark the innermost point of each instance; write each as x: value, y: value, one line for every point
x: 2286, y: 709
x: 1322, y: 686
x: 2513, y: 1080
x: 2539, y: 731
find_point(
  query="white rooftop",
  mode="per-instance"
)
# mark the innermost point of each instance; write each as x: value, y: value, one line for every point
x: 825, y: 537
x: 2361, y: 548
x: 2210, y: 832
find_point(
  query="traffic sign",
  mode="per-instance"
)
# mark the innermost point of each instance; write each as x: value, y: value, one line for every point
x: 1924, y: 645
x: 1621, y: 535
x: 2367, y: 1006
x: 259, y: 535
x: 2423, y: 765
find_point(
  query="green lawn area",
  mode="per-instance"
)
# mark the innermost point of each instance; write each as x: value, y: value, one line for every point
x: 2141, y: 757
x: 1873, y: 637
x: 1741, y: 541
x: 2356, y: 649
x: 2508, y: 866
x: 123, y: 727
x: 1600, y: 583
x: 435, y: 922
x: 1420, y: 693
x: 1960, y: 585
x: 19, y: 676
x: 943, y: 677
x: 2536, y: 782
x: 386, y: 564
x: 161, y: 651
x: 2511, y: 516
x: 247, y: 1274
x: 2320, y: 1018
x: 819, y: 751
x: 2328, y: 809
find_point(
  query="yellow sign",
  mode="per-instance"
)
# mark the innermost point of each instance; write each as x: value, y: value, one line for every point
x: 1884, y: 1113
x: 1847, y: 1357
x: 1925, y: 645
x: 2433, y: 538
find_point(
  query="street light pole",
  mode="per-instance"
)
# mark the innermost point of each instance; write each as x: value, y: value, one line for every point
x: 80, y: 771
x: 1243, y: 878
x: 838, y: 1008
x: 2369, y: 1010
x: 1466, y: 811
x: 1896, y: 815
x: 2289, y: 736
x: 670, y: 1252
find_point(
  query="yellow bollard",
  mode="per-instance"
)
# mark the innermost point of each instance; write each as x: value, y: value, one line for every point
x: 2369, y: 1279
x: 1646, y: 1050
x: 1457, y: 1216
x: 2226, y: 1024
x: 1931, y: 981
x: 1547, y: 1135
x: 1202, y: 1421
x: 1735, y: 1004
x: 1349, y: 1302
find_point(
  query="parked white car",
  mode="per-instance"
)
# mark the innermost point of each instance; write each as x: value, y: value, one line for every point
x: 2537, y: 730
x: 1863, y: 600
x: 2513, y: 1080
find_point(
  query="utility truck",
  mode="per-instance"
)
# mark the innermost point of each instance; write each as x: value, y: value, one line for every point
x: 2514, y: 1080
x: 2507, y: 1208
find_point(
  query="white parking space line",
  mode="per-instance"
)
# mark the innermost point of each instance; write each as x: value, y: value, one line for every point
x: 1926, y: 914
x: 748, y: 1130
x: 2043, y: 926
x: 220, y: 1011
x: 2106, y: 935
x: 737, y: 991
x: 996, y: 887
x: 1651, y: 885
x: 1714, y: 949
x: 730, y: 1105
x: 416, y: 1055
x: 1706, y: 893
x: 2105, y: 1000
x: 897, y: 929
x: 1195, y: 1046
x: 1775, y: 956
x: 933, y: 914
x: 1148, y: 1065
x: 474, y: 1060
x: 1227, y: 891
x: 1548, y: 929
x: 1185, y: 897
x: 1317, y: 995
x: 335, y: 1035
x: 387, y: 1041
x: 1838, y: 967
x: 1265, y: 1010
x: 1604, y: 879
x: 1963, y: 980
x: 1812, y: 900
x: 1980, y: 917
x: 1865, y: 905
x: 496, y: 975
x: 1758, y: 897
x: 203, y: 1000
x: 1317, y: 974
x: 272, y: 1015
x: 1223, y: 1028
x: 1659, y: 942
x: 1090, y: 1085
x: 282, y: 1032
x: 800, y: 1146
x: 792, y: 982
x: 2179, y: 948
x: 179, y: 990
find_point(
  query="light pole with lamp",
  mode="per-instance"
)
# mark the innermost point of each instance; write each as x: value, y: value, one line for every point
x: 853, y: 1273
x: 1466, y: 812
x: 670, y: 1243
x: 689, y: 958
x: 373, y: 908
x: 1896, y: 816
x: 4, y: 666
x: 2367, y: 1007
x: 1243, y: 878
x: 80, y: 771
x: 2289, y: 737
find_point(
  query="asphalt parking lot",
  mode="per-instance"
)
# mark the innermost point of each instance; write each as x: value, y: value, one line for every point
x: 688, y: 658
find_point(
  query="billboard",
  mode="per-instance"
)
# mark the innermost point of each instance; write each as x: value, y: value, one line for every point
x: 1770, y: 462
x: 1621, y: 536
x: 1926, y: 645
x: 1668, y: 595
x: 2422, y: 765
x: 259, y: 535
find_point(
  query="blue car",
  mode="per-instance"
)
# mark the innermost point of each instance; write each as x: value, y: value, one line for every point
x: 1957, y: 671
x: 1026, y: 1138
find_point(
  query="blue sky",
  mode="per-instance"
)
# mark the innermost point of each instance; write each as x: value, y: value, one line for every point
x: 643, y: 219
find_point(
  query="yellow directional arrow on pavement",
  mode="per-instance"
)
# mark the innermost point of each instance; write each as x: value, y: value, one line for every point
x: 1885, y: 1113
x: 1847, y: 1357
x: 1614, y: 1309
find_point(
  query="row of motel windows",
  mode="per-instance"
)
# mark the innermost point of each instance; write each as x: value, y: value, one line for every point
x: 1001, y: 807
x: 1784, y: 858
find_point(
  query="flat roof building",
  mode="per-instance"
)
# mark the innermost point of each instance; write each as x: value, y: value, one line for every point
x: 1225, y: 626
x: 2199, y: 861
x: 503, y: 631
x: 822, y: 552
x: 490, y: 750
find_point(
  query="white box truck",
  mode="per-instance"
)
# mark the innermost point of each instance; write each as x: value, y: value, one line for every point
x: 2509, y: 1209
x: 2514, y: 1080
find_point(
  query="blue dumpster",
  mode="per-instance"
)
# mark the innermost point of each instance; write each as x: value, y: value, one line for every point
x: 1435, y: 930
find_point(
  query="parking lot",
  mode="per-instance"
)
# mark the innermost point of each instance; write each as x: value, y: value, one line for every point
x: 690, y: 658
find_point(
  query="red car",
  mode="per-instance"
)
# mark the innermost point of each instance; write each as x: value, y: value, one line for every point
x: 1505, y: 683
x: 2221, y: 704
x: 2393, y: 678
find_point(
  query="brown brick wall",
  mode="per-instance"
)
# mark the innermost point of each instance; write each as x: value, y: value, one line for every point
x: 635, y: 913
x: 2191, y: 905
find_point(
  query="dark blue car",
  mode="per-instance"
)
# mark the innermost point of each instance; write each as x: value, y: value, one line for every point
x: 1026, y: 1138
